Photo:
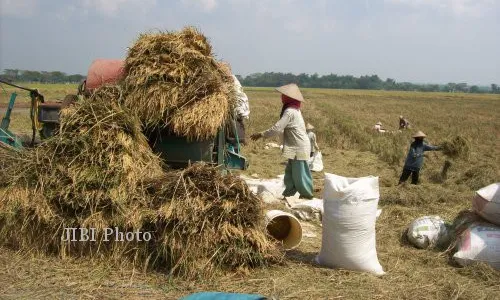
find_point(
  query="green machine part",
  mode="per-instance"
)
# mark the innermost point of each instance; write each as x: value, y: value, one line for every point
x: 6, y: 136
x: 178, y: 152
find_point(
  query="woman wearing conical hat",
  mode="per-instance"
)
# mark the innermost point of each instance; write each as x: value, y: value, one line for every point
x: 415, y: 158
x: 296, y: 145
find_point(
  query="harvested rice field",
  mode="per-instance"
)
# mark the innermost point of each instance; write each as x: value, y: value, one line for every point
x: 467, y: 124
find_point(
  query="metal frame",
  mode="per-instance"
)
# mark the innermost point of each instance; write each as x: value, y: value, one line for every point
x: 6, y: 136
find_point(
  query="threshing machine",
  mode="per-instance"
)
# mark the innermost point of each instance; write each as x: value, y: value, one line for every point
x: 175, y: 150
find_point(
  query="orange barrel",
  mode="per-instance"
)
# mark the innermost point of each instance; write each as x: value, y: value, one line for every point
x: 104, y: 71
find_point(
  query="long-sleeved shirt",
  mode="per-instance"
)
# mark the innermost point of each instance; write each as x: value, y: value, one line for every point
x: 415, y: 157
x: 312, y: 141
x: 296, y: 143
x: 242, y: 106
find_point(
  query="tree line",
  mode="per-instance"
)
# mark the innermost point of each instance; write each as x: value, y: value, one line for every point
x: 369, y: 82
x: 273, y: 79
x: 42, y: 77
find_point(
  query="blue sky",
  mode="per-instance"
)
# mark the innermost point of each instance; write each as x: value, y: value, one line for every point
x: 435, y: 41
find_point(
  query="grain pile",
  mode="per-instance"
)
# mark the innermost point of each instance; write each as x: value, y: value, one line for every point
x: 172, y: 79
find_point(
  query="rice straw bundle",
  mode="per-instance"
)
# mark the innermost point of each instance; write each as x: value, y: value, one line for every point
x: 168, y: 74
x: 90, y: 174
x: 213, y: 221
x: 458, y: 147
x: 480, y: 175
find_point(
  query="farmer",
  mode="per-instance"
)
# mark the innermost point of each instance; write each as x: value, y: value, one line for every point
x: 296, y: 145
x: 415, y: 158
x: 242, y: 109
x: 403, y: 123
x: 312, y: 139
x: 236, y: 133
x: 378, y: 127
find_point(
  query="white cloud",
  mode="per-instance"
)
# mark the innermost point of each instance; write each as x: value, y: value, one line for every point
x: 474, y: 8
x: 112, y: 7
x: 206, y: 5
x: 18, y: 8
x: 65, y: 13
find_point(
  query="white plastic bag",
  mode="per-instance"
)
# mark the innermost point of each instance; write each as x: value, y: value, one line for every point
x: 428, y: 232
x: 309, y: 209
x: 350, y: 211
x: 486, y: 203
x: 479, y: 242
x: 316, y: 162
x: 270, y: 190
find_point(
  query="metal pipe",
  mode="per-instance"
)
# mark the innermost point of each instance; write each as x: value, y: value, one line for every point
x: 17, y: 86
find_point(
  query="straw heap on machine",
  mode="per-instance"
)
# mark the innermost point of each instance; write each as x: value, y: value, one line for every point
x: 99, y: 172
x: 172, y: 79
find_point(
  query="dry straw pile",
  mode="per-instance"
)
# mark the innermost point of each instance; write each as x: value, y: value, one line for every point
x: 89, y: 175
x: 172, y: 79
x: 457, y: 147
x: 211, y: 221
x: 99, y: 172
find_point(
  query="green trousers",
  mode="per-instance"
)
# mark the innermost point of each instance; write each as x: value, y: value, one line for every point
x: 298, y: 178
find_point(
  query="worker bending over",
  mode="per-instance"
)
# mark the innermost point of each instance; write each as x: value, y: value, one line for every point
x: 378, y: 127
x: 403, y: 123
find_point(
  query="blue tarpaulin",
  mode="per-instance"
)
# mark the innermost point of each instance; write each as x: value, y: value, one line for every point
x: 222, y: 296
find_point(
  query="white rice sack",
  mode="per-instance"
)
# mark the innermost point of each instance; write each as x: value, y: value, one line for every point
x: 350, y: 211
x: 270, y: 190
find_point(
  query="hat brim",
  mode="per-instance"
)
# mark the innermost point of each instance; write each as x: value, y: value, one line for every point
x: 291, y: 91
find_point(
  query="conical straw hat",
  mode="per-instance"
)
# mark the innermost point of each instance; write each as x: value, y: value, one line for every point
x: 379, y: 123
x: 291, y: 90
x: 419, y: 134
x: 309, y: 126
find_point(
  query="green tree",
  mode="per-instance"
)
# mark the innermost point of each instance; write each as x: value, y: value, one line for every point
x: 462, y: 87
x: 31, y: 76
x: 474, y: 89
x: 11, y: 74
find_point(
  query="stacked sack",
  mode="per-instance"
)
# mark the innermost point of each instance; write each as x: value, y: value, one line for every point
x: 474, y: 234
x: 478, y: 233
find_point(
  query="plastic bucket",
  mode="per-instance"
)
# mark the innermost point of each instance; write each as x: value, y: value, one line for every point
x: 284, y: 227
